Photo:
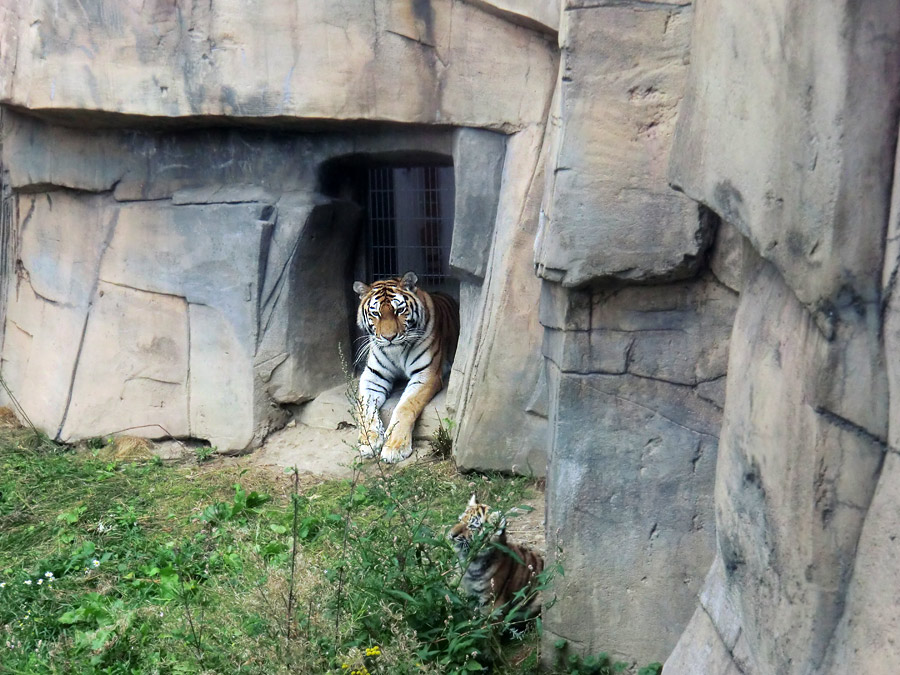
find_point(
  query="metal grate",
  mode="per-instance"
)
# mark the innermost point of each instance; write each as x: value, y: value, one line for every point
x: 410, y: 222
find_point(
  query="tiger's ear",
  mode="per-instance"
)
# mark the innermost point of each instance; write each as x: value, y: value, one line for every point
x: 472, y: 501
x: 409, y: 281
x: 360, y: 288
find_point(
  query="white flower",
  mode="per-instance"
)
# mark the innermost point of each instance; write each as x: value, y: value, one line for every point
x: 40, y: 581
x: 49, y: 575
x: 27, y: 582
x: 95, y: 562
x: 2, y: 584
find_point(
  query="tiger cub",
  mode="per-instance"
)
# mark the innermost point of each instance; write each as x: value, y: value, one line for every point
x: 494, y: 575
x: 412, y: 335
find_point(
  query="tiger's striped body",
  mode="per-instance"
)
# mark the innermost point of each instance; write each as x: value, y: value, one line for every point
x: 491, y: 575
x: 411, y: 335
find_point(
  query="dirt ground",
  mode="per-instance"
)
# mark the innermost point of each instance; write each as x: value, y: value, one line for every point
x: 320, y: 442
x: 330, y: 453
x: 321, y: 454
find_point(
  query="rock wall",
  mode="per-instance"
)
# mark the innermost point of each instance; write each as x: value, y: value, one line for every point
x: 788, y: 131
x: 864, y: 640
x: 636, y: 326
x: 487, y: 64
x: 630, y: 501
x: 610, y: 212
x: 174, y: 284
x: 407, y: 61
x: 504, y: 427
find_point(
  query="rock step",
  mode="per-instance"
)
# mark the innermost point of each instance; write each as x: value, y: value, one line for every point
x: 332, y: 409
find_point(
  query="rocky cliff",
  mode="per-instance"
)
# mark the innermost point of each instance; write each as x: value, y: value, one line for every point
x: 788, y: 130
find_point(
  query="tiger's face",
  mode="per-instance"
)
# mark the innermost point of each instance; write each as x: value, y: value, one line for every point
x: 471, y: 525
x: 389, y: 310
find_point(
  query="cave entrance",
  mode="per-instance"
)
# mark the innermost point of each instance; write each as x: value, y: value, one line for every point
x: 406, y: 222
x: 400, y: 218
x: 409, y: 224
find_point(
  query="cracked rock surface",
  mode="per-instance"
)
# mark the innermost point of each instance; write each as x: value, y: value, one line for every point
x: 805, y: 494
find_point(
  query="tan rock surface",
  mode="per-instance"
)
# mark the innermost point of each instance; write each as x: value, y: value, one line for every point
x: 633, y: 457
x: 59, y: 252
x: 866, y: 639
x: 782, y: 133
x: 497, y: 371
x: 635, y: 364
x: 132, y: 372
x: 446, y: 61
x: 609, y: 212
x: 794, y: 479
x: 221, y: 381
x: 541, y: 15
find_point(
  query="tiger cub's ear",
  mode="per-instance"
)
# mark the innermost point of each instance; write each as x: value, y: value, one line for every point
x: 360, y: 288
x: 409, y: 281
x: 499, y: 521
x: 472, y: 501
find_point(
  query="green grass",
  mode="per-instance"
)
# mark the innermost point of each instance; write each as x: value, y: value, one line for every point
x: 140, y: 567
x: 223, y: 569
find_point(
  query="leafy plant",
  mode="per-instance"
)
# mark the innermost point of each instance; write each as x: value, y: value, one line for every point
x: 401, y: 577
x: 204, y: 453
x: 652, y: 669
x: 572, y: 663
x: 95, y: 443
x: 441, y: 442
x: 241, y: 506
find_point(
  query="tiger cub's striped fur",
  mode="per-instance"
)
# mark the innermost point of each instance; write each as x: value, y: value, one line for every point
x: 412, y: 335
x: 491, y: 574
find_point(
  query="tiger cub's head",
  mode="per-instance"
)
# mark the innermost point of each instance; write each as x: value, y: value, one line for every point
x: 390, y: 310
x: 471, y: 526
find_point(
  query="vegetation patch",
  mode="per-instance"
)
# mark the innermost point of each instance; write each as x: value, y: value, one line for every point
x: 111, y: 565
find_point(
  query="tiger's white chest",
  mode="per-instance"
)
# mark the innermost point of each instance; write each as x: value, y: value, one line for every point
x: 395, y: 358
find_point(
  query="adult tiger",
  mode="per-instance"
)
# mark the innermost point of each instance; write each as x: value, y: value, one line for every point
x: 496, y: 572
x: 412, y: 335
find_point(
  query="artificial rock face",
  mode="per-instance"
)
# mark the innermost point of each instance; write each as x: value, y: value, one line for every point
x: 498, y: 368
x: 160, y: 288
x: 412, y: 62
x: 635, y: 521
x: 787, y: 131
x: 636, y: 324
x: 610, y: 213
x: 246, y: 338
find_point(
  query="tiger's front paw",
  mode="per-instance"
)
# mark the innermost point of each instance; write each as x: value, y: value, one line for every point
x: 369, y: 444
x: 396, y: 450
